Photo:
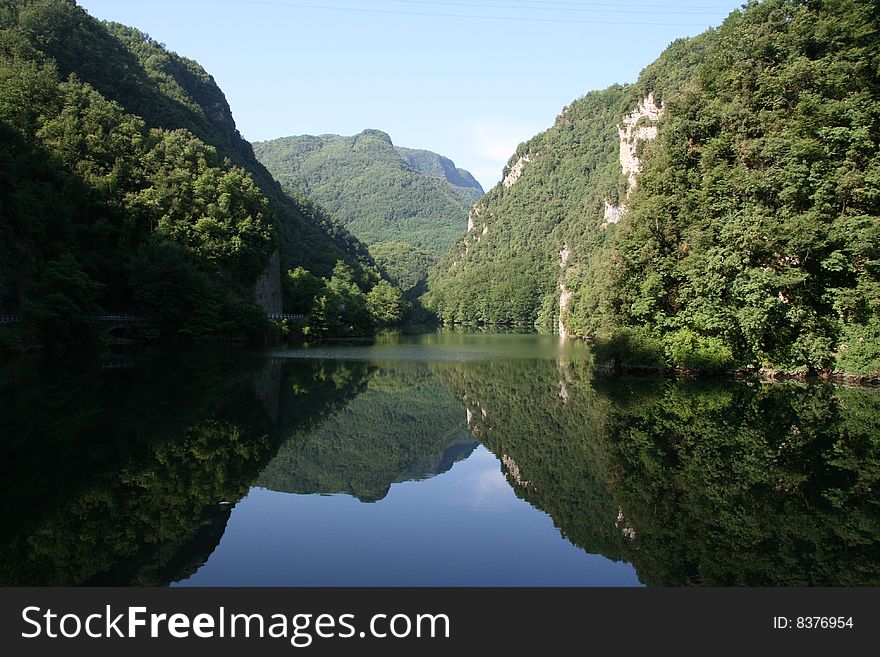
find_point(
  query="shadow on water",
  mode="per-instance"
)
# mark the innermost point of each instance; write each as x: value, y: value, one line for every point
x: 125, y: 469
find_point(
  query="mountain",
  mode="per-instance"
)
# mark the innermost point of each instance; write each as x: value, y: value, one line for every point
x: 382, y: 194
x: 720, y: 213
x: 125, y: 185
x: 462, y: 182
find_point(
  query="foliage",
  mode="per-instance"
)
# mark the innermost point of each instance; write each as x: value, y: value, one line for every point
x: 405, y: 265
x: 337, y: 306
x: 386, y: 304
x: 63, y: 301
x: 630, y: 348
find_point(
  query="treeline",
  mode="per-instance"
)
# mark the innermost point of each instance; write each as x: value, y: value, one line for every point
x: 750, y: 239
x: 337, y: 306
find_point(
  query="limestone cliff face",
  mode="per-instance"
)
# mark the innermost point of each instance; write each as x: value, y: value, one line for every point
x: 638, y: 126
x: 516, y: 171
x: 473, y: 215
x: 564, y: 294
x: 267, y: 289
x: 613, y: 213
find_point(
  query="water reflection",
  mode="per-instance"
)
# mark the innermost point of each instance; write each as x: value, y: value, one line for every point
x: 403, y: 426
x: 114, y: 471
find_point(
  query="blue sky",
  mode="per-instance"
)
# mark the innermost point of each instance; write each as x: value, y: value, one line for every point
x: 468, y: 79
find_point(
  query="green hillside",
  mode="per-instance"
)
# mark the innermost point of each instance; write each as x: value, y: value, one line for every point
x: 380, y: 193
x: 721, y: 212
x: 125, y: 186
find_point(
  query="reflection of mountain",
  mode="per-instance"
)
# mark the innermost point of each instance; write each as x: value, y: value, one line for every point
x: 695, y: 484
x: 404, y: 426
x: 115, y: 476
x: 546, y: 424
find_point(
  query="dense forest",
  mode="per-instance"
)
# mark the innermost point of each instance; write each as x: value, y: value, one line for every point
x: 125, y: 187
x: 409, y: 206
x: 720, y: 213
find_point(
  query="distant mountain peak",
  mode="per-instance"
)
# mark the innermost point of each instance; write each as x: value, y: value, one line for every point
x: 375, y: 134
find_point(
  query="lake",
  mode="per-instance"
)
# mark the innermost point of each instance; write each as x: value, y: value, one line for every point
x: 441, y: 459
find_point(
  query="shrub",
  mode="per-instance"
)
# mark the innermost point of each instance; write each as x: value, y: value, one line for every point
x: 630, y: 347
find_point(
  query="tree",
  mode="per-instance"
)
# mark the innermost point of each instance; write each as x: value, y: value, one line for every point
x: 386, y: 304
x: 63, y: 301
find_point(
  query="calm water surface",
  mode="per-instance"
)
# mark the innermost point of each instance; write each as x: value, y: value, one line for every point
x: 442, y: 459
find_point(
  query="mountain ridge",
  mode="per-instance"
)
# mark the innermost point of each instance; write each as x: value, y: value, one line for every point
x: 381, y: 192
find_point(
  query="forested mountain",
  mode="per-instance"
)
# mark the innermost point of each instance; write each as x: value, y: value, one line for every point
x: 721, y: 212
x: 408, y: 205
x: 124, y: 185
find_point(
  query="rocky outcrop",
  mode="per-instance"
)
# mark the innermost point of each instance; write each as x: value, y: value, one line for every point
x: 639, y: 125
x: 515, y: 171
x: 613, y: 213
x: 267, y: 289
x: 564, y: 294
x: 472, y: 217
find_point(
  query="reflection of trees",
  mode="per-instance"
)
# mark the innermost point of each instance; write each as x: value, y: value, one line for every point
x: 739, y: 484
x: 116, y: 476
x: 403, y: 426
x: 695, y: 483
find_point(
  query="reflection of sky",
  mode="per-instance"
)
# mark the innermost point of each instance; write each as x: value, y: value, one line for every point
x: 464, y: 527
